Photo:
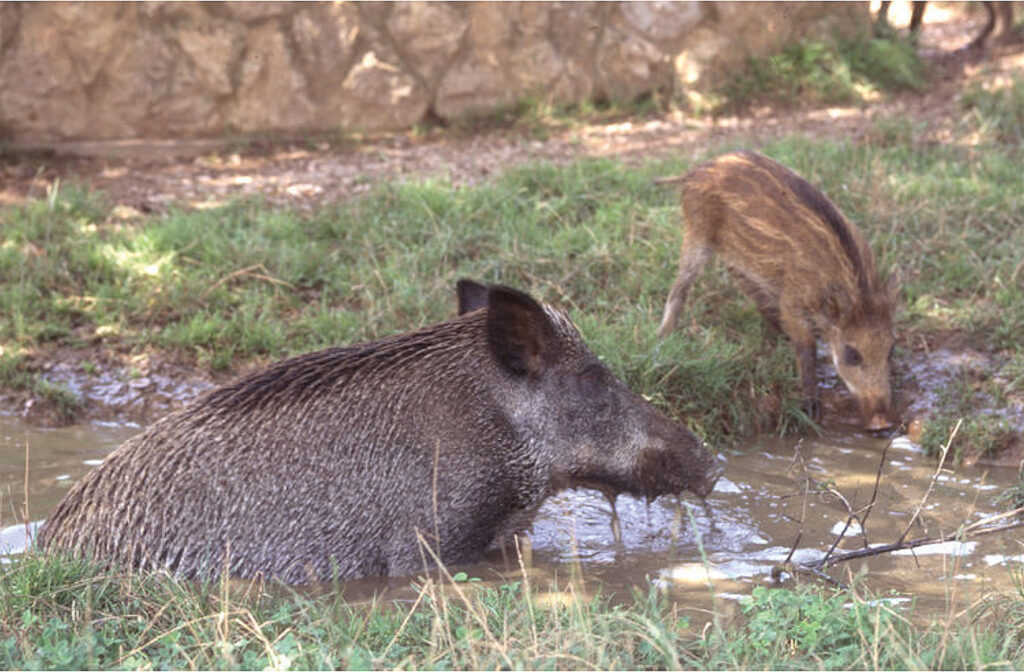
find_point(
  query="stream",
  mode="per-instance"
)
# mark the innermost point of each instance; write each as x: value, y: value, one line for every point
x: 705, y: 555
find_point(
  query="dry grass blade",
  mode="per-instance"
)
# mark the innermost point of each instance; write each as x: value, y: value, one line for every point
x: 249, y: 271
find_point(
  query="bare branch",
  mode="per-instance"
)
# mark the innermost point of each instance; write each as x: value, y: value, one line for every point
x: 803, y: 510
x: 935, y: 477
x: 976, y: 529
x: 874, y: 493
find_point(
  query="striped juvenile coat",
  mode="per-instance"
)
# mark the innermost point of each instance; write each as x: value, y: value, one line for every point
x: 808, y: 269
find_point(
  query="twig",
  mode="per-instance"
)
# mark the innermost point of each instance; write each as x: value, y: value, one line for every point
x: 803, y: 509
x: 874, y: 493
x: 861, y: 520
x: 935, y: 477
x: 787, y: 568
x: 966, y: 533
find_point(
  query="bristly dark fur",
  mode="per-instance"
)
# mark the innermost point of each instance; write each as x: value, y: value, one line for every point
x: 342, y: 463
x: 307, y: 376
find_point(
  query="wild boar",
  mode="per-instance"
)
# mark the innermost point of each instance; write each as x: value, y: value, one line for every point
x: 337, y: 463
x: 807, y: 268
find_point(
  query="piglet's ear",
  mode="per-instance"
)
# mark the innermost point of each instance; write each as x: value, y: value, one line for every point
x: 472, y: 296
x: 519, y: 333
x: 892, y: 288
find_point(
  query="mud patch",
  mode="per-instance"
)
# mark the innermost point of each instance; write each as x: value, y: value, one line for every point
x: 108, y: 387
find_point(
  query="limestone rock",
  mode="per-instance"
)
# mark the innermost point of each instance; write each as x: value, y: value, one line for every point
x: 90, y: 33
x: 137, y: 81
x: 629, y: 66
x: 472, y: 86
x: 158, y: 69
x: 272, y: 93
x: 378, y: 95
x: 249, y: 12
x: 426, y: 34
x: 213, y: 50
x: 39, y: 84
x: 664, y: 23
x: 325, y: 38
x: 10, y: 15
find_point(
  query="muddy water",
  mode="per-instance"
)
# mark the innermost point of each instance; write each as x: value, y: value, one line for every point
x: 747, y: 526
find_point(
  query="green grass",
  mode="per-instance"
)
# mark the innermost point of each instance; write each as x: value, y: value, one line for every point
x: 63, y: 614
x: 247, y: 283
x: 825, y: 71
x: 996, y: 113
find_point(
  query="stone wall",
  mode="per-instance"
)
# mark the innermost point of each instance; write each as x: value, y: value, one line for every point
x: 158, y: 70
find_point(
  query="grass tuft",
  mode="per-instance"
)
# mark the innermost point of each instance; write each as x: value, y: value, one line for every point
x: 834, y: 71
x: 245, y: 284
x: 62, y: 613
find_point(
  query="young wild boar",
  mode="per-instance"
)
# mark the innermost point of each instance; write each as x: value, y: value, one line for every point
x: 806, y: 267
x: 333, y: 463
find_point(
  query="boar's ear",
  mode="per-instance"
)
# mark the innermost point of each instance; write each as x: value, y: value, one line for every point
x: 518, y: 331
x: 472, y: 296
x: 892, y: 288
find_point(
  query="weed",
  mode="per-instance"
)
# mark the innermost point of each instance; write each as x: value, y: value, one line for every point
x: 996, y: 113
x: 14, y: 374
x: 838, y: 71
x: 58, y: 612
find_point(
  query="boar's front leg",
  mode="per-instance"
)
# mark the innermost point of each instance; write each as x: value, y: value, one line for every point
x: 801, y: 335
x: 805, y: 365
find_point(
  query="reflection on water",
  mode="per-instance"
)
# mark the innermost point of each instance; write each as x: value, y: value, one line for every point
x: 747, y: 526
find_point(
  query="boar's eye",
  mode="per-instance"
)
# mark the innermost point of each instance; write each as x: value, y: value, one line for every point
x: 851, y: 357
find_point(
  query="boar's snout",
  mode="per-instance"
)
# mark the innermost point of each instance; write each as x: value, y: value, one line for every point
x: 711, y: 476
x: 680, y: 461
x: 876, y: 414
x: 875, y: 406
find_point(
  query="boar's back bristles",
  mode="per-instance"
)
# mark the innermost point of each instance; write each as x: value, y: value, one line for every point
x: 819, y: 203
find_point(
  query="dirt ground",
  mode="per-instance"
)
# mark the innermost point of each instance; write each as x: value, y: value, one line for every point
x: 139, y: 177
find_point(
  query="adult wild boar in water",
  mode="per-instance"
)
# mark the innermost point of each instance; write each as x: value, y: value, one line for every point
x: 337, y: 462
x: 803, y: 263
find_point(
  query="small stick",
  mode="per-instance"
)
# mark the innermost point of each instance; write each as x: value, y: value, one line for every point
x: 803, y: 509
x: 966, y: 533
x: 935, y: 477
x: 861, y: 520
x: 874, y: 493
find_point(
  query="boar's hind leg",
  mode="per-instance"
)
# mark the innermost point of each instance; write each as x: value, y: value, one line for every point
x: 802, y: 337
x: 695, y: 255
